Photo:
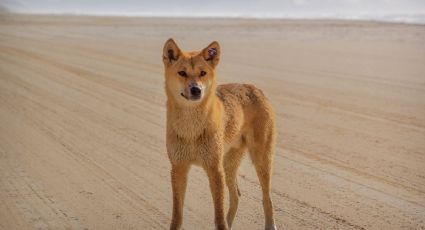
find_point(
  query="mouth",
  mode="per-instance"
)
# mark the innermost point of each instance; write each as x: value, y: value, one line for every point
x: 184, y: 96
x: 191, y: 98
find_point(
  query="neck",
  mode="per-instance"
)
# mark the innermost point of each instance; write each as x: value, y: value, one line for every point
x: 189, y: 122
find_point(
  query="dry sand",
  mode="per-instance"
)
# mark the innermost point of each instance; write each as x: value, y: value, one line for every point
x: 82, y: 116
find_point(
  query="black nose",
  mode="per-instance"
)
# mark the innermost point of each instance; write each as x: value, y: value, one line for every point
x: 195, y: 91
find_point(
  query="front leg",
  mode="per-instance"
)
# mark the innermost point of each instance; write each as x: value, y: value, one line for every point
x: 215, y: 174
x: 178, y: 183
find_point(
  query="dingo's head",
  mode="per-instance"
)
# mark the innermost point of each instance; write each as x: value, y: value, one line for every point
x: 189, y: 76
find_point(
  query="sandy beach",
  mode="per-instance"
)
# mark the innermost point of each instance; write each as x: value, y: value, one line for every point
x: 82, y: 122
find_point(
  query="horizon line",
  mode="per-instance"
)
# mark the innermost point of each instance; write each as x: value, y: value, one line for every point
x: 418, y: 18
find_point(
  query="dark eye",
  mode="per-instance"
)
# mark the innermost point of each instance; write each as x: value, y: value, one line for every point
x: 182, y: 73
x: 203, y: 73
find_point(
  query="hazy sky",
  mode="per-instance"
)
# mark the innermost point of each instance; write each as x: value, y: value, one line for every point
x: 291, y: 8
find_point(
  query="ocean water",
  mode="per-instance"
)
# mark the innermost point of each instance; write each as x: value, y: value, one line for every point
x: 399, y: 18
x: 406, y: 11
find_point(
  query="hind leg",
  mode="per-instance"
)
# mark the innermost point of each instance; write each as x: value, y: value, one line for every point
x: 231, y: 163
x: 261, y: 152
x: 263, y: 166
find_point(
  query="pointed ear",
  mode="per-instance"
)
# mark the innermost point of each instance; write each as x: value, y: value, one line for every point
x: 211, y: 54
x: 171, y: 52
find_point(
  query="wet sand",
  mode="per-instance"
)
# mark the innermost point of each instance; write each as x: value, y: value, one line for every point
x: 82, y: 122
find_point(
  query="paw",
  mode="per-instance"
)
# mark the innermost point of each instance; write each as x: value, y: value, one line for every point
x: 273, y: 227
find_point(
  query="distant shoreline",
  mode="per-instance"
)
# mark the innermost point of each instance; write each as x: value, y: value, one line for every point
x: 409, y: 20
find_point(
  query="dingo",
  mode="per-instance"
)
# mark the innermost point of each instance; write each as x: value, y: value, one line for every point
x: 212, y: 126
